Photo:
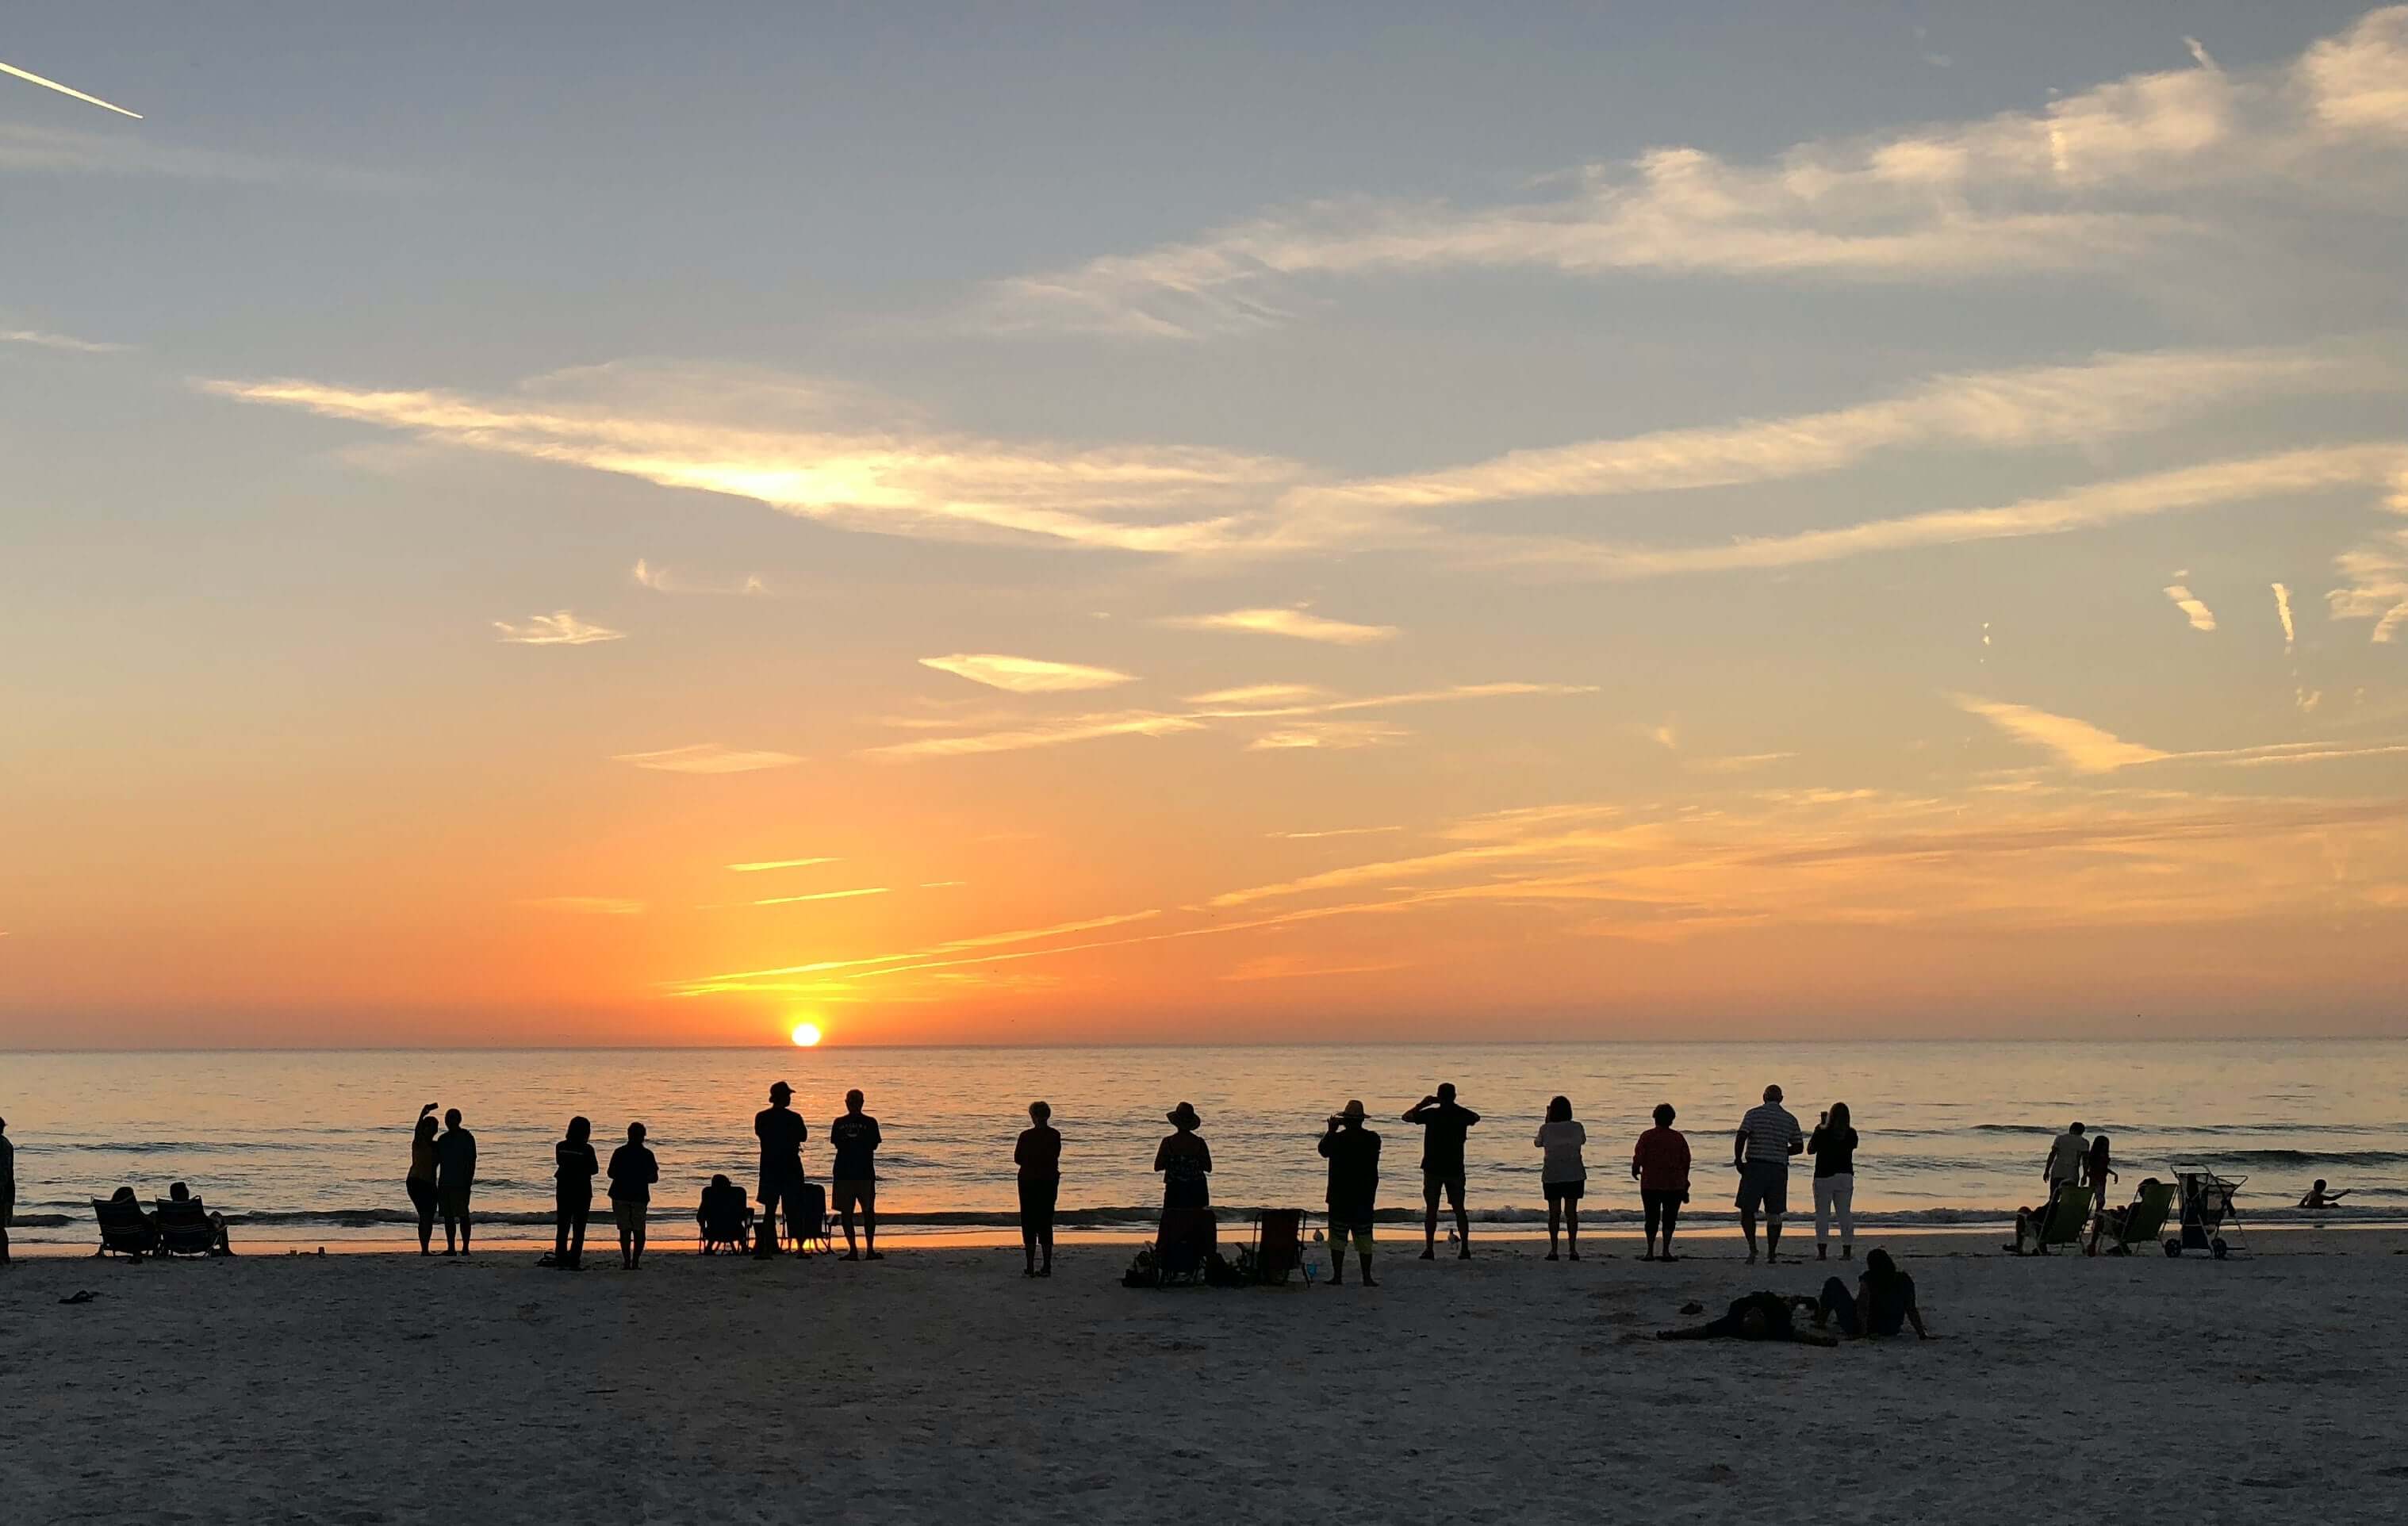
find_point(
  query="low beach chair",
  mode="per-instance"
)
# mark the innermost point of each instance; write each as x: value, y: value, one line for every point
x: 1187, y: 1239
x: 2119, y: 1230
x: 125, y: 1230
x: 2062, y: 1222
x: 726, y: 1223
x: 1279, y: 1245
x: 184, y: 1228
x: 818, y: 1233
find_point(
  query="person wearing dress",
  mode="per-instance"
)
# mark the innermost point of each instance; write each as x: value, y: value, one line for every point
x: 574, y: 1168
x: 1561, y: 1174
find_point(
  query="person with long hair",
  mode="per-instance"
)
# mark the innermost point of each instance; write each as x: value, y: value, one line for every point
x: 1883, y: 1303
x: 1660, y: 1165
x: 1561, y: 1173
x: 1833, y: 1146
x: 574, y: 1169
x: 2100, y: 1167
x: 1039, y: 1156
x: 420, y: 1180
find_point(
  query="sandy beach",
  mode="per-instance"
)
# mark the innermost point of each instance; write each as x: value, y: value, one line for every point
x: 384, y: 1387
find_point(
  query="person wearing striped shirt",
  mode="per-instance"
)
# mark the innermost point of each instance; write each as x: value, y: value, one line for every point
x: 1768, y: 1136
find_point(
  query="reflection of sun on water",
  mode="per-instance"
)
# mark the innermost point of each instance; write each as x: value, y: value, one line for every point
x: 806, y: 1034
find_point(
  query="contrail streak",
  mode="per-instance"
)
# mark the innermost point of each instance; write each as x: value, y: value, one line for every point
x: 52, y: 84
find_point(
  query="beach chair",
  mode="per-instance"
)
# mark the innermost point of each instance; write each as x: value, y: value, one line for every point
x: 125, y: 1229
x: 2210, y: 1222
x: 727, y: 1223
x: 2062, y: 1222
x: 1277, y: 1249
x: 1186, y: 1242
x: 2137, y: 1225
x: 818, y: 1233
x: 184, y: 1228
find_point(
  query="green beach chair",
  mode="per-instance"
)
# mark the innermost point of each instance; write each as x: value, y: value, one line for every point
x: 2061, y: 1223
x: 2139, y: 1224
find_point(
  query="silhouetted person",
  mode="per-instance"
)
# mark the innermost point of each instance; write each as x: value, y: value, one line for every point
x: 1352, y: 1152
x: 8, y: 1187
x: 725, y: 1206
x: 1443, y: 1125
x: 2318, y: 1198
x: 1768, y: 1136
x: 420, y: 1180
x: 1833, y: 1146
x: 1883, y: 1303
x: 1185, y: 1162
x: 633, y: 1170
x: 219, y: 1243
x: 1660, y: 1165
x: 855, y: 1174
x: 1759, y: 1317
x: 782, y: 1131
x: 455, y: 1161
x: 2069, y: 1157
x: 1562, y: 1173
x: 573, y: 1170
x: 2100, y: 1167
x: 1039, y: 1156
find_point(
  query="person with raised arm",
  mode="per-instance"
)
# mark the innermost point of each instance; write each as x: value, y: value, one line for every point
x: 1352, y: 1152
x: 1443, y: 1124
x: 420, y: 1183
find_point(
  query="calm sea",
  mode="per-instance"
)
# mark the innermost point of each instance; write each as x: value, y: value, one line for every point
x: 312, y: 1146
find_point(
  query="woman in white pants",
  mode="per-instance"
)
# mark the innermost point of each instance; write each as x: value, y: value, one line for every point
x: 1833, y: 1146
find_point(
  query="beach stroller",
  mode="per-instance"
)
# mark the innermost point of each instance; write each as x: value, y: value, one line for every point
x: 184, y: 1228
x: 125, y: 1229
x: 2121, y: 1229
x: 2059, y: 1222
x: 2208, y: 1220
x: 1277, y: 1249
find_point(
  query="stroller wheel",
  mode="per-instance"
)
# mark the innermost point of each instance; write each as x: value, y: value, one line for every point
x: 2216, y: 1248
x: 2173, y: 1247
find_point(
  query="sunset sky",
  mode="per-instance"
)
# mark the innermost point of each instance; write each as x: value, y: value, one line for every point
x: 648, y: 525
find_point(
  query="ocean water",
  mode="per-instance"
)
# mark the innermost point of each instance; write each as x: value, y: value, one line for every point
x: 311, y: 1146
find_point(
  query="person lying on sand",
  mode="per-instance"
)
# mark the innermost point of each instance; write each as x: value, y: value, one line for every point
x: 1759, y: 1317
x: 2318, y: 1198
x: 1883, y: 1303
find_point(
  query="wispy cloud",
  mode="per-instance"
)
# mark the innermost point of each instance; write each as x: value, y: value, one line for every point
x: 2094, y: 179
x: 661, y: 579
x: 763, y: 865
x: 64, y: 90
x: 2082, y: 747
x: 1332, y: 831
x: 1025, y: 675
x: 1294, y: 623
x: 2283, y: 612
x: 1328, y: 735
x: 68, y: 343
x: 2199, y: 615
x: 707, y: 758
x: 823, y: 895
x: 1300, y: 967
x: 1259, y: 693
x: 1740, y: 763
x: 559, y: 628
x: 2377, y: 575
x: 587, y: 905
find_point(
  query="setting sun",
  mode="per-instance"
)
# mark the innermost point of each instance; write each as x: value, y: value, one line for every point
x: 806, y: 1034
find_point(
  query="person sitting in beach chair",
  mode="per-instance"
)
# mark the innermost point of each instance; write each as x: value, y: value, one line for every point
x: 125, y: 1229
x: 2121, y: 1228
x: 2319, y: 1198
x: 1279, y: 1245
x: 725, y: 1218
x: 1883, y: 1303
x: 1759, y: 1317
x: 2056, y: 1222
x: 187, y: 1228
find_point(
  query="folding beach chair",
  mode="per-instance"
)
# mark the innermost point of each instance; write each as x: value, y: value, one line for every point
x: 2120, y: 1230
x: 1277, y: 1249
x: 726, y: 1220
x: 1186, y: 1242
x: 2208, y: 1220
x: 2060, y: 1222
x: 125, y: 1230
x: 184, y: 1228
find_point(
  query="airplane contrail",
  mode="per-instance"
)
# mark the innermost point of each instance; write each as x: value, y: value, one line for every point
x: 52, y: 84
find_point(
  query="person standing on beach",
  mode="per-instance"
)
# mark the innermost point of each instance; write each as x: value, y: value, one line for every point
x: 1834, y: 1149
x: 634, y: 1169
x: 1561, y: 1174
x: 572, y: 1190
x: 782, y: 1131
x: 2069, y: 1155
x: 1768, y: 1136
x: 1352, y: 1152
x: 1661, y: 1164
x: 854, y: 1172
x: 1443, y: 1125
x: 1039, y: 1156
x: 420, y: 1183
x: 456, y: 1177
x: 2100, y: 1167
x: 8, y: 1187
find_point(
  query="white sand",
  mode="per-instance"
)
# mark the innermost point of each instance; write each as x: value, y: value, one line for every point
x: 939, y: 1384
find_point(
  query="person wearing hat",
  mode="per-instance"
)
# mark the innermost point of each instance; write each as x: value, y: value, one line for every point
x: 782, y: 1131
x: 1185, y: 1161
x: 1352, y: 1152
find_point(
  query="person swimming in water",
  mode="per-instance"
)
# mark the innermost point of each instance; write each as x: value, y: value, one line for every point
x: 2319, y: 1198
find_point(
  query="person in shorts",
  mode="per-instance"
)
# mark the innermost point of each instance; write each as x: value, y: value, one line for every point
x: 1352, y: 1152
x: 1562, y: 1175
x: 634, y: 1169
x: 1443, y: 1123
x: 854, y: 1177
x: 456, y: 1177
x: 782, y: 1131
x: 1768, y: 1136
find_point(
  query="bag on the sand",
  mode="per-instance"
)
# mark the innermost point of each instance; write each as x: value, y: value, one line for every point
x: 1142, y: 1271
x: 1218, y: 1272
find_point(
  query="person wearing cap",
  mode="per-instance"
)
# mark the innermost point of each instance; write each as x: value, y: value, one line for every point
x: 1352, y: 1152
x: 782, y: 1131
x: 1444, y: 1122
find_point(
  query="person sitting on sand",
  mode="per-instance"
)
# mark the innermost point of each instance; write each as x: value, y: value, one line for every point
x: 855, y: 1174
x: 1883, y: 1303
x: 724, y: 1203
x: 1561, y: 1174
x: 1038, y: 1154
x: 455, y: 1164
x: 2317, y: 1199
x: 1443, y: 1124
x: 574, y: 1166
x: 1352, y: 1152
x: 782, y: 1131
x: 219, y: 1244
x: 1759, y: 1317
x: 1768, y: 1136
x: 634, y: 1169
x: 420, y: 1183
x: 1660, y: 1165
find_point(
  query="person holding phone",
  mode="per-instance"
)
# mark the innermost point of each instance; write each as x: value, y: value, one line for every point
x: 1352, y: 1152
x: 1833, y: 1146
x: 420, y: 1183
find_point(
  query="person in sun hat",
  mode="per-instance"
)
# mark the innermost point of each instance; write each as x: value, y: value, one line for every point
x: 1185, y: 1162
x: 1352, y: 1152
x: 782, y: 1131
